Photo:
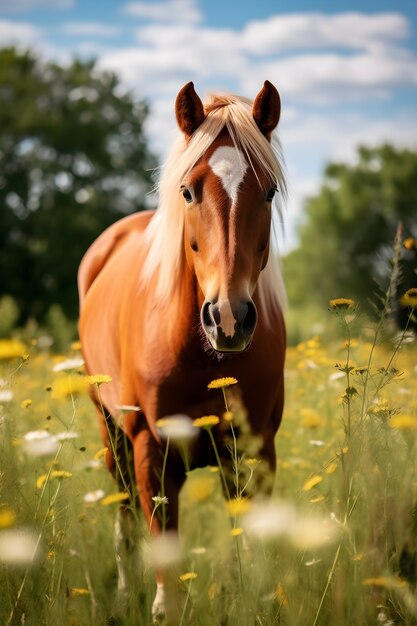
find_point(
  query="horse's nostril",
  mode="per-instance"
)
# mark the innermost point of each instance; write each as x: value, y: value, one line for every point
x: 207, y: 315
x: 249, y: 319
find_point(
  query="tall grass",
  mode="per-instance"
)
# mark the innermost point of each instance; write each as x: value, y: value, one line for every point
x: 336, y: 546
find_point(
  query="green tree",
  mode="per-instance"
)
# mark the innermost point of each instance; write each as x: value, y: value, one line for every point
x: 349, y: 228
x: 73, y: 159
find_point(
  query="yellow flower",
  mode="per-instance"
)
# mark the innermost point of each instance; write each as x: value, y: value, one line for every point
x: 238, y: 506
x: 188, y: 576
x: 7, y: 518
x: 98, y: 379
x: 200, y: 488
x: 75, y: 592
x: 252, y: 463
x: 409, y: 298
x: 409, y: 243
x: 404, y: 421
x: 311, y: 418
x: 220, y: 383
x: 68, y: 386
x: 26, y: 403
x: 206, y: 421
x: 342, y: 303
x: 41, y: 480
x: 114, y: 498
x: 384, y: 581
x: 11, y: 349
x: 312, y: 482
x: 76, y: 345
x: 228, y: 416
x: 235, y: 532
x: 331, y: 468
x: 281, y: 595
x: 100, y: 453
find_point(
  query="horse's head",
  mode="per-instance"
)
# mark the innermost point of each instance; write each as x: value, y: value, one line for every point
x: 227, y: 198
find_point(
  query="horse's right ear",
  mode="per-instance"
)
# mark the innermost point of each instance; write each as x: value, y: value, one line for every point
x: 189, y: 110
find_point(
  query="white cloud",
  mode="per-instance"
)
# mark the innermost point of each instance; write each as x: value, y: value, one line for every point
x: 88, y: 29
x: 18, y: 33
x: 19, y: 6
x: 180, y: 11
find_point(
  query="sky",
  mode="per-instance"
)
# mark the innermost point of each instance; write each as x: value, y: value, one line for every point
x: 346, y: 70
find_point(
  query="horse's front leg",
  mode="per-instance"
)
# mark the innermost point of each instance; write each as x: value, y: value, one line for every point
x: 155, y: 479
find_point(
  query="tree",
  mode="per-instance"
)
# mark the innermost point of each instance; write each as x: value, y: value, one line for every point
x: 73, y: 159
x: 349, y: 228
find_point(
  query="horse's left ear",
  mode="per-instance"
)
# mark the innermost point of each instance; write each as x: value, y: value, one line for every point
x: 189, y: 110
x: 266, y: 109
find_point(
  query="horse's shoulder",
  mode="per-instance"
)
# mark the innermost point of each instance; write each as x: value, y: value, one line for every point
x: 105, y: 246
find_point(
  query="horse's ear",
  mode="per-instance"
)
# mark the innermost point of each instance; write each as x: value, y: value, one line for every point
x: 267, y: 109
x: 189, y: 110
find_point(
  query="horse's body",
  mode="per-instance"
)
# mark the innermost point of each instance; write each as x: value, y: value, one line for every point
x: 162, y: 292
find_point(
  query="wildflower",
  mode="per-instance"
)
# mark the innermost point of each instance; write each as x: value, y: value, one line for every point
x: 41, y: 480
x: 312, y: 482
x: 69, y: 386
x: 100, y: 453
x: 6, y: 395
x: 384, y: 581
x: 176, y: 427
x: 40, y: 443
x: 220, y: 383
x: 76, y: 345
x: 409, y: 298
x: 188, y: 576
x: 25, y: 404
x: 312, y: 532
x: 66, y: 435
x: 206, y: 421
x: 228, y: 416
x: 311, y: 418
x: 281, y: 595
x: 75, y: 592
x: 199, y: 488
x: 11, y: 349
x: 235, y: 532
x: 7, y: 518
x: 331, y: 468
x: 409, y: 243
x: 160, y: 500
x: 99, y: 379
x: 164, y: 551
x: 238, y: 506
x: 18, y: 547
x: 269, y: 520
x: 93, y: 496
x: 252, y: 463
x: 342, y: 303
x: 115, y: 498
x: 404, y: 422
x: 68, y: 364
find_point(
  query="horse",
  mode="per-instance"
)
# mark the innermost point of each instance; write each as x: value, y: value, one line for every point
x: 174, y: 298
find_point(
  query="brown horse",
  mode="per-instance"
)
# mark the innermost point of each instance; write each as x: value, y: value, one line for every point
x: 175, y: 298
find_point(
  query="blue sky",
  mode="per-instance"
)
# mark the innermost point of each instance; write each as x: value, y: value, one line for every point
x: 346, y: 71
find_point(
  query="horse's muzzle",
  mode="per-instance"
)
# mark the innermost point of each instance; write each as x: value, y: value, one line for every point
x: 232, y: 332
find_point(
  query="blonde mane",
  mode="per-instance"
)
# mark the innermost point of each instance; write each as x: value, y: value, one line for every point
x: 165, y: 259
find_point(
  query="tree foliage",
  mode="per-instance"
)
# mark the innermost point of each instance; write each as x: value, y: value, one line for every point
x: 349, y: 228
x: 73, y: 159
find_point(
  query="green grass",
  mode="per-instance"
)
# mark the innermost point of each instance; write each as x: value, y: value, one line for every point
x: 337, y: 547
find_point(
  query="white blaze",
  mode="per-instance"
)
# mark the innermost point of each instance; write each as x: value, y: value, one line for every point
x: 229, y: 164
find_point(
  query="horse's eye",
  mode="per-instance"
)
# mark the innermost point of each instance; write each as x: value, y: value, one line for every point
x: 187, y: 195
x: 271, y: 193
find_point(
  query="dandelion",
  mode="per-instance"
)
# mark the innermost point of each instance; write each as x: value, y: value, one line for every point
x: 7, y: 518
x: 98, y: 379
x: 221, y: 383
x: 76, y: 592
x: 68, y: 364
x: 188, y: 576
x: 115, y: 498
x: 409, y: 298
x: 93, y: 496
x: 206, y: 421
x: 406, y: 422
x: 312, y: 482
x: 41, y: 480
x: 25, y: 404
x: 342, y: 303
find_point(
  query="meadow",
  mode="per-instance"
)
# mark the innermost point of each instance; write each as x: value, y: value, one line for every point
x: 336, y: 545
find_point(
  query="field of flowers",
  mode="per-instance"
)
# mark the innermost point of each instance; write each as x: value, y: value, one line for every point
x: 335, y: 546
